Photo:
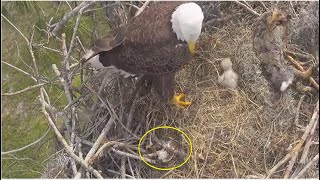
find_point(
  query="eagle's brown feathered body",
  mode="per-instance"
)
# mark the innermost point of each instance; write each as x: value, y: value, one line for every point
x: 269, y: 45
x: 147, y: 45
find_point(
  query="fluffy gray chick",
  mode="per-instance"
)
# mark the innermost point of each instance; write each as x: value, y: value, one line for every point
x: 229, y: 78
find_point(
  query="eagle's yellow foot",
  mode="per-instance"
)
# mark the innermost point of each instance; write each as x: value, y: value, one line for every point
x: 176, y: 100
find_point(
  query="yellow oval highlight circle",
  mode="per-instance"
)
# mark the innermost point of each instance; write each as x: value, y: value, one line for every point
x: 165, y: 127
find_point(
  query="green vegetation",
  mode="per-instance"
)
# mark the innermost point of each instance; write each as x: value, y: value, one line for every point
x: 22, y: 119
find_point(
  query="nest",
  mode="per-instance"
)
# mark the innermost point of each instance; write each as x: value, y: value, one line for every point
x: 235, y: 134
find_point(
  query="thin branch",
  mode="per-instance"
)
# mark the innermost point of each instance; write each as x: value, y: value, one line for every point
x: 247, y: 8
x: 63, y: 141
x: 263, y: 5
x: 308, y: 143
x: 29, y: 145
x: 301, y: 69
x: 123, y: 167
x: 25, y: 38
x: 296, y: 121
x: 131, y: 155
x: 69, y: 15
x: 314, y: 160
x: 100, y: 139
x: 23, y: 90
x: 20, y: 70
x: 296, y: 149
x: 143, y: 7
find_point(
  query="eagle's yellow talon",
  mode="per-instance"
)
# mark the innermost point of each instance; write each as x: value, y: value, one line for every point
x: 176, y: 100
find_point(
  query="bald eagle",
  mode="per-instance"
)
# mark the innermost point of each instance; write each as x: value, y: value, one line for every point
x: 156, y: 44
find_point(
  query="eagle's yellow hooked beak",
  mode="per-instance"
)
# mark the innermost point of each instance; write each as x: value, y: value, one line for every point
x: 192, y: 47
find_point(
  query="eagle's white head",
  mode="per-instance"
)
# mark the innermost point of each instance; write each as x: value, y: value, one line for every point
x: 187, y: 23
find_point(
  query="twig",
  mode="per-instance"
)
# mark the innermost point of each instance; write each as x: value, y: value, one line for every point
x: 301, y: 69
x: 291, y: 164
x: 100, y: 151
x: 296, y: 149
x: 294, y: 11
x: 303, y: 56
x: 69, y: 15
x: 207, y: 154
x: 131, y: 155
x: 65, y: 81
x: 123, y: 167
x: 264, y: 6
x: 100, y: 138
x: 314, y: 160
x: 25, y: 38
x: 133, y: 106
x: 142, y: 8
x: 296, y: 121
x: 63, y: 141
x: 20, y: 70
x: 248, y: 8
x: 115, y: 172
x: 23, y: 90
x: 130, y: 166
x: 29, y: 145
x: 308, y: 143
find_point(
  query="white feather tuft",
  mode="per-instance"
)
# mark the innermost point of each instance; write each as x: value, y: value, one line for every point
x: 285, y: 85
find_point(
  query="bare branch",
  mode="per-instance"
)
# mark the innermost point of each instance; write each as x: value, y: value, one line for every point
x: 29, y: 145
x: 20, y: 70
x: 308, y: 143
x: 69, y: 15
x: 131, y: 155
x: 25, y: 38
x: 123, y: 167
x: 296, y: 149
x: 23, y: 90
x: 296, y: 121
x: 63, y: 141
x: 144, y: 6
x: 247, y: 8
x: 314, y: 160
x: 100, y: 139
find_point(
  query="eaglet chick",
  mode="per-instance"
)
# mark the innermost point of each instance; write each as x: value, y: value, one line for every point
x: 229, y: 78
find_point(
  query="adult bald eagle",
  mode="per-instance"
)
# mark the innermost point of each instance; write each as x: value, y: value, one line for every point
x: 156, y: 44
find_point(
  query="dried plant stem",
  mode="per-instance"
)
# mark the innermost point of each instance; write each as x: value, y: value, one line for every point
x: 29, y: 145
x: 293, y: 61
x: 247, y: 8
x: 314, y: 160
x: 296, y: 121
x: 69, y: 15
x: 63, y: 141
x: 143, y: 7
x: 293, y: 153
x: 23, y: 90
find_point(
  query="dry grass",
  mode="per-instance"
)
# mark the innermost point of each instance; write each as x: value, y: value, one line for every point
x: 235, y: 134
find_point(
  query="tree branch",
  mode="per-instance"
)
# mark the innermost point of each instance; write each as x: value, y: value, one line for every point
x: 29, y: 145
x: 247, y: 8
x: 69, y: 15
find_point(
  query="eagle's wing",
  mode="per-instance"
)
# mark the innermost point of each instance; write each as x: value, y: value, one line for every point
x: 152, y: 26
x: 107, y: 43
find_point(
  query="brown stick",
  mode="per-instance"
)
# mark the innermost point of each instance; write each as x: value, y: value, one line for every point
x: 248, y: 8
x: 296, y: 121
x: 296, y: 63
x: 308, y: 143
x: 314, y: 160
x: 296, y: 149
